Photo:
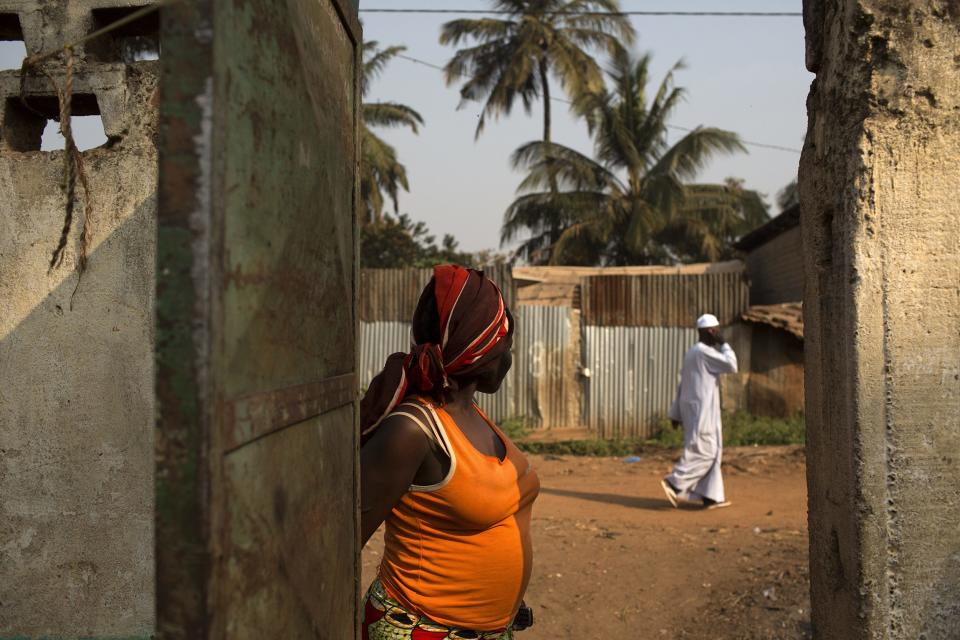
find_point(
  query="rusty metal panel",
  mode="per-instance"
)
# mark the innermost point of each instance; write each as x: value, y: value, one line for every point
x: 287, y: 84
x: 283, y: 528
x: 257, y: 325
x: 258, y: 415
x: 546, y: 356
x: 634, y: 372
x: 663, y: 300
x: 391, y: 295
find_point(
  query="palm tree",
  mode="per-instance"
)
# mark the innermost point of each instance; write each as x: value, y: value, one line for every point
x: 711, y: 219
x: 633, y: 204
x: 788, y: 196
x: 380, y: 170
x: 512, y: 58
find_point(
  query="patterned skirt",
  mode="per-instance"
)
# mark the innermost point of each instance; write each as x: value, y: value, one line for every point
x: 385, y: 619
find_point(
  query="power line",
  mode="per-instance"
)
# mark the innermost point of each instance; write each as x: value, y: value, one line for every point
x: 762, y: 145
x: 709, y: 14
x: 423, y: 62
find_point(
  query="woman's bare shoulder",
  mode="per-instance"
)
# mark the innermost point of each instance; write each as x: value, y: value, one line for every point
x: 401, y: 434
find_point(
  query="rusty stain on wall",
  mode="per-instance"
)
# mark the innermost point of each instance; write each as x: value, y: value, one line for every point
x: 664, y: 300
x: 266, y: 387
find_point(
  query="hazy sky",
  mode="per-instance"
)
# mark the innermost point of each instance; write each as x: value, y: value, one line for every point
x: 745, y: 74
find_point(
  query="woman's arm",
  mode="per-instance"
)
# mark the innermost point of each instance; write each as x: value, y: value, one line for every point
x: 389, y: 461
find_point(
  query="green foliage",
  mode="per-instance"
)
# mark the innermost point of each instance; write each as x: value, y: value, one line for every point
x: 515, y: 427
x: 741, y: 429
x: 788, y: 196
x: 380, y: 170
x: 396, y: 242
x: 633, y: 202
x: 668, y: 436
x: 584, y: 447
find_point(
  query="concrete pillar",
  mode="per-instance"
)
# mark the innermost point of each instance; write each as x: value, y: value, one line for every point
x: 880, y: 196
x: 76, y: 358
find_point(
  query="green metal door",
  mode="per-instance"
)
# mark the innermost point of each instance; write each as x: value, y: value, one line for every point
x: 256, y: 337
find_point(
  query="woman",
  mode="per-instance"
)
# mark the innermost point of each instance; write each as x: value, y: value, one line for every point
x: 454, y: 492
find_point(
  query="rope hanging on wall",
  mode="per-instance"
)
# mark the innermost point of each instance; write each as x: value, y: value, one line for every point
x: 73, y: 167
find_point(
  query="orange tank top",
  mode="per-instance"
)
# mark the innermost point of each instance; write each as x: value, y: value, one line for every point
x: 459, y: 551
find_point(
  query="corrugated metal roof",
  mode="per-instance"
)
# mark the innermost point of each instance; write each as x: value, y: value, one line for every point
x: 392, y: 294
x: 634, y: 373
x: 664, y: 300
x: 788, y: 317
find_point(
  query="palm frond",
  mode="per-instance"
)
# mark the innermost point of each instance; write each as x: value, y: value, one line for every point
x: 547, y: 162
x: 391, y: 114
x: 599, y: 15
x: 692, y: 152
x: 380, y: 172
x: 374, y: 62
x: 483, y: 29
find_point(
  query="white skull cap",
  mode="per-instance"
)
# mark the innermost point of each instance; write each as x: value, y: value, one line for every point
x: 707, y: 320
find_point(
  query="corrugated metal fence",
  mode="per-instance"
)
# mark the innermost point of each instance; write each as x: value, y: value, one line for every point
x: 634, y: 372
x: 547, y: 356
x: 542, y: 385
x: 634, y: 366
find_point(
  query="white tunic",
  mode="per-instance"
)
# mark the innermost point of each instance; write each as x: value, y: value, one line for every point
x: 697, y: 474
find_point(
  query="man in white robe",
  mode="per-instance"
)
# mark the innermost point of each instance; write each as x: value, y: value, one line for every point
x: 697, y: 475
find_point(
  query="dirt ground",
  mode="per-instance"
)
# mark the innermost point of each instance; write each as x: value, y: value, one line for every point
x: 612, y: 559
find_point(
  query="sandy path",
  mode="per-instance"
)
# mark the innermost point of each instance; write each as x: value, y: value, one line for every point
x: 614, y: 560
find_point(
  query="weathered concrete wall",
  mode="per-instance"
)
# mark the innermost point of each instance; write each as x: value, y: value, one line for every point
x: 76, y: 399
x: 880, y: 191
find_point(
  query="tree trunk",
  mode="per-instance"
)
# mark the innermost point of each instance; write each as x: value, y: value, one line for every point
x: 545, y: 83
x: 555, y: 229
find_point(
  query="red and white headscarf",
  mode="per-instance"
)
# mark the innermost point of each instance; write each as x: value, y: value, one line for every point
x: 474, y: 325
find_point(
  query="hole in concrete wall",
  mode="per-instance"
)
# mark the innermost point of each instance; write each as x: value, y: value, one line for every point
x: 88, y: 133
x: 10, y: 27
x: 133, y: 42
x: 12, y: 48
x: 37, y: 128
